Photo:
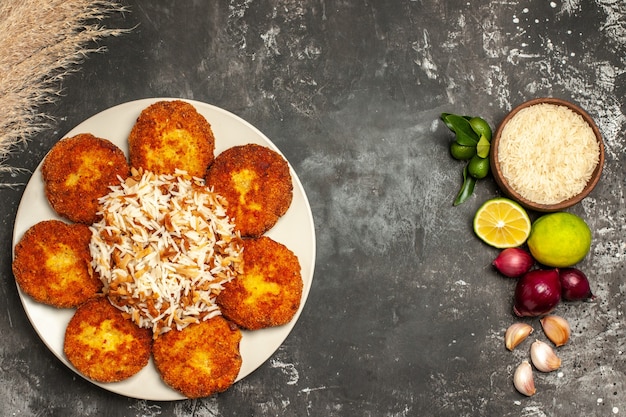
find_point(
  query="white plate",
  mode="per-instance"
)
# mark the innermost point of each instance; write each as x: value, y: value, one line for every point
x: 295, y: 230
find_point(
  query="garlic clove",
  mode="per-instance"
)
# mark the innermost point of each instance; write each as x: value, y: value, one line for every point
x: 543, y: 357
x: 556, y: 328
x: 516, y: 334
x: 523, y: 379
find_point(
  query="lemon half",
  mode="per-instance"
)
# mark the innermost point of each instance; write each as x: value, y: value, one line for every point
x: 502, y: 223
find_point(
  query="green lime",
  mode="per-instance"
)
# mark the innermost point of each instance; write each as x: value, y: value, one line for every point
x: 462, y: 152
x: 559, y: 239
x: 478, y: 167
x: 482, y: 149
x: 481, y: 127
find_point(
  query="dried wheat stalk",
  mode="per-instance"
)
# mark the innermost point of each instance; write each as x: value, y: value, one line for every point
x: 40, y: 43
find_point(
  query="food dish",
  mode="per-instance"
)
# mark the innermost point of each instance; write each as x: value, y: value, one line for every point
x: 257, y: 185
x: 105, y: 346
x: 199, y: 369
x: 171, y: 135
x: 77, y: 171
x: 51, y: 264
x: 269, y: 291
x: 115, y: 124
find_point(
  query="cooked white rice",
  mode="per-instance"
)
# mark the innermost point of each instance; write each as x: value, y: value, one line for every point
x: 164, y: 248
x: 548, y: 153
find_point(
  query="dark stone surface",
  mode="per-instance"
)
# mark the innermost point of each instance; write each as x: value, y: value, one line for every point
x: 405, y: 316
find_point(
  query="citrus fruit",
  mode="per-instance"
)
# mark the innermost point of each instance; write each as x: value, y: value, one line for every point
x: 502, y: 223
x: 559, y: 239
x: 481, y: 127
x: 483, y: 146
x: 462, y: 152
x: 478, y: 167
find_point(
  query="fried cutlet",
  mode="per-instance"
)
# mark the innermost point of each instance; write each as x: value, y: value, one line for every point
x: 256, y: 182
x: 103, y: 345
x: 268, y: 292
x: 78, y: 171
x: 52, y: 264
x: 171, y: 135
x: 201, y: 359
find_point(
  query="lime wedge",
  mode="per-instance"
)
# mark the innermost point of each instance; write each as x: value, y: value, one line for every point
x: 483, y: 146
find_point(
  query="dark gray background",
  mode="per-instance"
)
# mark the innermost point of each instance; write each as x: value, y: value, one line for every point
x: 405, y: 316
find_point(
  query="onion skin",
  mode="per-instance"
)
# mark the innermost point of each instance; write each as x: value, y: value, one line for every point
x: 537, y: 293
x: 513, y: 262
x: 574, y: 285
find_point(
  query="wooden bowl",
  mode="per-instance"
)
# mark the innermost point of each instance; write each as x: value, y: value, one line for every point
x: 510, y: 192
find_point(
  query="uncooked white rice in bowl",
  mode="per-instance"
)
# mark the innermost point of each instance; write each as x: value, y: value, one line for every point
x: 164, y: 248
x: 547, y: 153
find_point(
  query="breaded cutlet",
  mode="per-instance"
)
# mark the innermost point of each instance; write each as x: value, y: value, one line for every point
x: 103, y: 345
x: 78, y: 171
x: 256, y: 182
x: 171, y: 135
x: 200, y: 360
x: 52, y: 264
x: 269, y: 291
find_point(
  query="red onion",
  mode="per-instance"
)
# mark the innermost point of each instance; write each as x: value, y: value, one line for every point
x: 574, y: 285
x: 537, y: 292
x: 513, y: 262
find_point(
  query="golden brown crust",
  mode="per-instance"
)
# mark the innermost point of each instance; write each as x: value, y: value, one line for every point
x: 78, y: 171
x: 103, y: 345
x: 256, y: 182
x: 170, y: 135
x: 201, y: 359
x: 269, y: 291
x: 52, y: 264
